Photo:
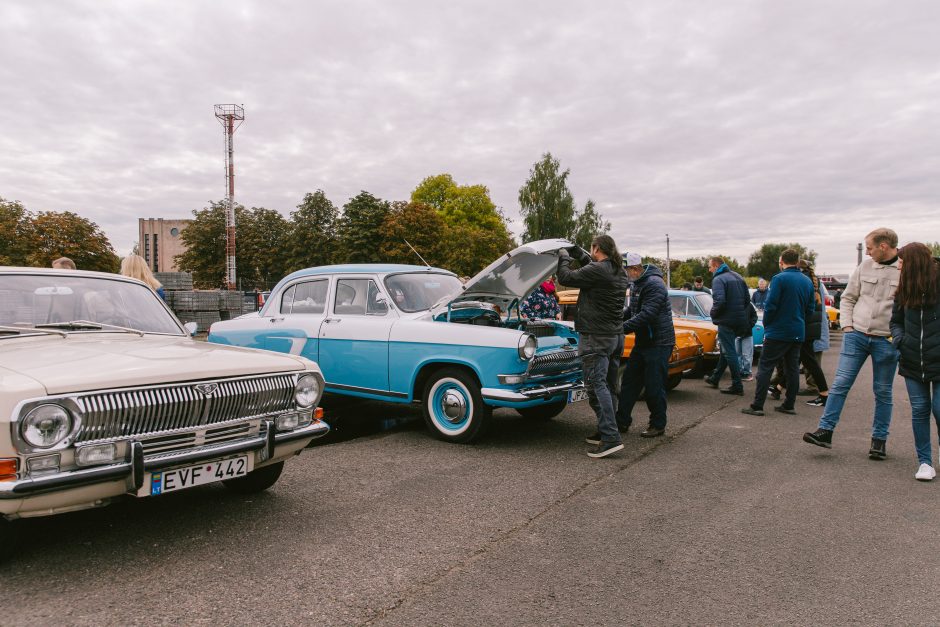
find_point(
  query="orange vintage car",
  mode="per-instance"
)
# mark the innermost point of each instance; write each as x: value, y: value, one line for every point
x: 686, y: 356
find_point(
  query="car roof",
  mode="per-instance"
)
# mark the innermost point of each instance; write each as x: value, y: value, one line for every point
x: 361, y: 268
x: 71, y: 273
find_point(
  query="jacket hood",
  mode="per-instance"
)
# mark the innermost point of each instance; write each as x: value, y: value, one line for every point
x: 83, y: 362
x: 513, y: 276
x: 648, y: 271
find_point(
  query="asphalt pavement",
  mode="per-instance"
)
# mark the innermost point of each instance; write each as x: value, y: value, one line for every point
x: 729, y: 519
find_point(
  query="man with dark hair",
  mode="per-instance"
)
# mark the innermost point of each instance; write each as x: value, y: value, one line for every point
x: 789, y: 303
x: 731, y: 312
x: 865, y: 315
x: 699, y: 286
x: 649, y: 317
x: 599, y: 320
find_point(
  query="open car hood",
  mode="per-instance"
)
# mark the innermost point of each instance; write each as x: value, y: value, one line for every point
x: 513, y: 276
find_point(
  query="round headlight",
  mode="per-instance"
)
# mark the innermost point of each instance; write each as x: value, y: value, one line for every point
x: 46, y: 426
x: 527, y: 345
x: 307, y: 391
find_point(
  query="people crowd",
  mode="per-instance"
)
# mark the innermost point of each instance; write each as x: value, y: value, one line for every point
x: 889, y: 313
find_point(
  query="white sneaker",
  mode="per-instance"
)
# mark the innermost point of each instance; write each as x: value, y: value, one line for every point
x: 925, y: 473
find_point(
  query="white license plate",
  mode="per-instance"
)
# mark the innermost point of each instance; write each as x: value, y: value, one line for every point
x: 199, y: 474
x: 577, y: 395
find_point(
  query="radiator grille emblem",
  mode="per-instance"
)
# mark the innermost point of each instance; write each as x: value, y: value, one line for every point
x: 207, y: 389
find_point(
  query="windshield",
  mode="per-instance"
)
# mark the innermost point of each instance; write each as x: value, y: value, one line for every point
x: 419, y: 291
x: 53, y: 299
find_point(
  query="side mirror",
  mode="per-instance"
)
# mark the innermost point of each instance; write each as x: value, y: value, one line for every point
x: 191, y: 328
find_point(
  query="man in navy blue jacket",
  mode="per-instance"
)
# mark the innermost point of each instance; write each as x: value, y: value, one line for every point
x: 649, y: 318
x: 731, y: 312
x: 789, y: 303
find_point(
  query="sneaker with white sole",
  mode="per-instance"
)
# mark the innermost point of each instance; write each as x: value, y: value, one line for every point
x: 925, y: 473
x: 605, y: 448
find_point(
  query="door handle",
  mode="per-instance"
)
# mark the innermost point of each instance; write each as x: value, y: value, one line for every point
x: 273, y: 320
x: 329, y: 320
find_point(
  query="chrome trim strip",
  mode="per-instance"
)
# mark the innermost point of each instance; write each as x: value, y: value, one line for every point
x: 529, y: 394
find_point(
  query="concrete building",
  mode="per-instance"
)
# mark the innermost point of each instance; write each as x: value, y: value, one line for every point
x: 160, y: 242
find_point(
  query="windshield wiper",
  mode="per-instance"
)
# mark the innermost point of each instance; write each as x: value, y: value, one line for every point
x: 88, y: 324
x: 4, y: 327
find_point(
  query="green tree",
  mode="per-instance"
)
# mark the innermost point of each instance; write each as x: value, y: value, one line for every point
x: 65, y: 234
x: 260, y: 243
x: 16, y: 233
x: 313, y: 238
x: 476, y: 230
x: 424, y: 229
x: 546, y: 203
x: 935, y: 248
x: 360, y: 229
x: 686, y: 271
x: 764, y: 261
x: 589, y: 224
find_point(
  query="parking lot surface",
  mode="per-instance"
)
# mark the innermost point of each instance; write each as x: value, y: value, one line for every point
x: 728, y: 519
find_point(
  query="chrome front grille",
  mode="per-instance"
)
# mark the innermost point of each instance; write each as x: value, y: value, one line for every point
x: 555, y: 362
x: 142, y: 411
x: 184, y: 440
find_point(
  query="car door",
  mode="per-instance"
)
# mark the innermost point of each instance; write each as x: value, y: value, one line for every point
x: 296, y: 321
x: 354, y: 338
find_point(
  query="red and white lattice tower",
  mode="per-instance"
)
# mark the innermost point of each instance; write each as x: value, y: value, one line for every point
x: 231, y: 116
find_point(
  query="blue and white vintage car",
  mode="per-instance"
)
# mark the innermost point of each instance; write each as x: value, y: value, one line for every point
x: 407, y: 334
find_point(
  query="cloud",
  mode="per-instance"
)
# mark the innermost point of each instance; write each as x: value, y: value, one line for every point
x: 724, y: 124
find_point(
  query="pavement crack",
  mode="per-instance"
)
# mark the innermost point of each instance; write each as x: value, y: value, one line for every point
x: 490, y: 545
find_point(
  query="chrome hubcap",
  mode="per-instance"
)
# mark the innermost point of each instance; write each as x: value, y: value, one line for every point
x: 453, y: 406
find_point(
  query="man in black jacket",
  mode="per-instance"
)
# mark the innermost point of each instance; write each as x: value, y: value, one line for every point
x: 733, y: 314
x: 599, y: 320
x: 649, y: 318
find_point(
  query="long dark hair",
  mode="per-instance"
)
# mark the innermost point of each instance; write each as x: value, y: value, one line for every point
x: 807, y: 269
x: 920, y: 275
x: 607, y: 246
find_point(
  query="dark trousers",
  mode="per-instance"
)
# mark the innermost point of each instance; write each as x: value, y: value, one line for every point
x: 600, y: 360
x: 774, y: 352
x: 646, y: 368
x: 729, y: 357
x: 812, y: 366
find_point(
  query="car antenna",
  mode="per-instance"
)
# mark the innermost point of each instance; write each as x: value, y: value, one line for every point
x: 417, y: 253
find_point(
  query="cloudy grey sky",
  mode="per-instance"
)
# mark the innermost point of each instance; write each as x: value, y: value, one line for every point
x: 724, y: 123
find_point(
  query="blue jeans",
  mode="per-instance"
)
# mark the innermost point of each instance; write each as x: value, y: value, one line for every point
x: 921, y: 406
x: 729, y: 357
x: 745, y: 348
x: 856, y: 348
x: 600, y: 359
x: 646, y: 368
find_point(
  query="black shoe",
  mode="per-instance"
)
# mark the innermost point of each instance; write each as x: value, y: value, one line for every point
x: 819, y: 437
x: 819, y: 401
x: 735, y: 391
x: 774, y: 392
x: 595, y: 438
x: 877, y: 450
x: 750, y: 410
x: 652, y: 432
x: 783, y: 409
x: 710, y: 382
x: 605, y: 449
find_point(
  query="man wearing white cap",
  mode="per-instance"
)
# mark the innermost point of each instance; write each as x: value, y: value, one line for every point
x: 649, y: 318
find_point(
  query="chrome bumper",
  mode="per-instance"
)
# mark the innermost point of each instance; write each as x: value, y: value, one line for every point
x: 532, y: 393
x: 134, y: 469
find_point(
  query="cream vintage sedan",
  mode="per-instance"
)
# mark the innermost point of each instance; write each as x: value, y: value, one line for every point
x: 104, y: 393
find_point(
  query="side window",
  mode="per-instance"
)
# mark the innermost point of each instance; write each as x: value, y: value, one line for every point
x: 376, y: 305
x: 308, y: 297
x: 678, y: 304
x: 353, y: 296
x: 288, y: 299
